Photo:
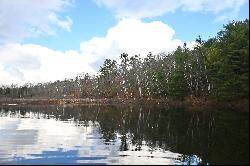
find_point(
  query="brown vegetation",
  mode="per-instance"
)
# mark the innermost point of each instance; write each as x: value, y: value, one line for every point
x: 190, y: 103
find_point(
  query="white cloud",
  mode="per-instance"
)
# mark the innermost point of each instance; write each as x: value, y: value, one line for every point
x: 64, y: 24
x: 20, y: 64
x: 35, y: 63
x: 133, y: 37
x: 149, y: 8
x: 29, y: 18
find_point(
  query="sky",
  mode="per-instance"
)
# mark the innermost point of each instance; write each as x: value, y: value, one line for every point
x: 49, y: 40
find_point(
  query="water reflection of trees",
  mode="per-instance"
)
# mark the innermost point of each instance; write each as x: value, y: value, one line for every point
x: 214, y: 136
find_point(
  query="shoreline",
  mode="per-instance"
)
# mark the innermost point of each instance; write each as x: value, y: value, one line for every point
x: 192, y: 104
x: 84, y: 101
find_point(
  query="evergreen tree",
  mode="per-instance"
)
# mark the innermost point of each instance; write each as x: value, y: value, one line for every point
x: 178, y: 87
x: 229, y: 61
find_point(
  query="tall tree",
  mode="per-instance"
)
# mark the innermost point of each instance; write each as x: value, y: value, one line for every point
x: 178, y: 87
x: 229, y: 61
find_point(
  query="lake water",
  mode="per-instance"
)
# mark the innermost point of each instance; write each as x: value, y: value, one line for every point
x: 122, y: 135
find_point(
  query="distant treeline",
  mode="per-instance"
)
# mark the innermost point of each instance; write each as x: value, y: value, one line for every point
x: 217, y: 68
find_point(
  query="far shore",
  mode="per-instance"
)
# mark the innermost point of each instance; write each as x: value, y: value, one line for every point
x: 192, y: 104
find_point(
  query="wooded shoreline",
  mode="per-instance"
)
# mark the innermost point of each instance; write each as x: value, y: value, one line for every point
x: 192, y: 104
x: 214, y: 73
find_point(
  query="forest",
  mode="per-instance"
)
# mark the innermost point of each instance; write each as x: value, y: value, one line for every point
x: 217, y: 68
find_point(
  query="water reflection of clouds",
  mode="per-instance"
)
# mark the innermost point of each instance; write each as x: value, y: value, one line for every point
x: 21, y: 137
x: 31, y: 140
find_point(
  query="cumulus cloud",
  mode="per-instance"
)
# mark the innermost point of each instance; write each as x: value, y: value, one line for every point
x: 133, y: 37
x: 29, y: 18
x: 21, y: 64
x: 149, y: 8
x: 35, y: 63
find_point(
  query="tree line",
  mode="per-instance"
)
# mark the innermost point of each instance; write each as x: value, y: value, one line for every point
x: 214, y: 68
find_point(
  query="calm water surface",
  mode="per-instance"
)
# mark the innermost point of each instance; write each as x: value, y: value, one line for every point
x: 115, y: 135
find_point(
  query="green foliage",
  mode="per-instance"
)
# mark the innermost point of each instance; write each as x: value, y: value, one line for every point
x: 106, y: 81
x: 108, y: 68
x: 228, y: 61
x: 178, y: 87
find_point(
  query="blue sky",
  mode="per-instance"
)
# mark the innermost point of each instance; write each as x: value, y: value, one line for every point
x: 92, y: 20
x: 89, y: 20
x: 57, y: 39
